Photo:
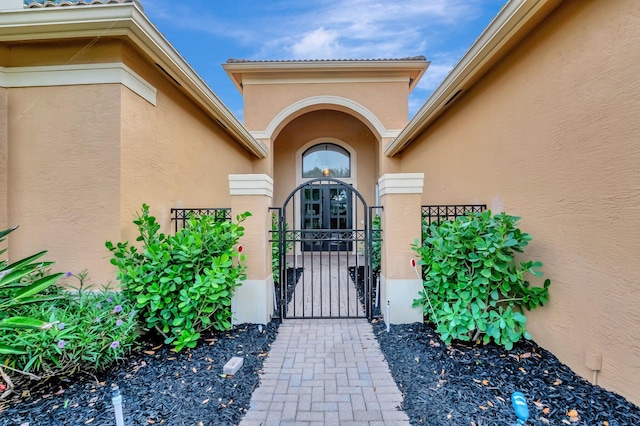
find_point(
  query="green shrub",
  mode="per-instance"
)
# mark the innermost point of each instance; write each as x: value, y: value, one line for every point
x: 182, y: 284
x: 376, y: 244
x: 275, y: 247
x: 88, y: 332
x: 22, y: 283
x: 473, y: 285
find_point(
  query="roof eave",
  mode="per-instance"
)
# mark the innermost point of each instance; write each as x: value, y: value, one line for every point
x: 415, y: 68
x: 125, y: 19
x: 483, y: 53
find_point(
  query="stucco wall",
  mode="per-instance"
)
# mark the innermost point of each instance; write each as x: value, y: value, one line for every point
x: 386, y: 100
x: 83, y: 159
x: 71, y: 52
x: 322, y: 124
x: 64, y: 174
x: 551, y: 134
x: 173, y: 155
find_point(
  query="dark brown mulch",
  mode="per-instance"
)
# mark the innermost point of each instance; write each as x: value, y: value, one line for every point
x: 358, y: 279
x: 158, y: 387
x: 466, y: 385
x: 455, y: 385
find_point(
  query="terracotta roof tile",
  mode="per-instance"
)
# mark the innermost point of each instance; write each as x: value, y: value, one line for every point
x: 243, y: 61
x: 34, y: 4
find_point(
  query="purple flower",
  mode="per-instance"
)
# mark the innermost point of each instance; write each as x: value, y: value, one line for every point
x: 119, y: 323
x: 114, y: 344
x: 67, y: 274
x: 109, y: 300
x: 61, y: 326
x: 117, y: 309
x: 62, y: 344
x: 99, y: 305
x: 97, y: 319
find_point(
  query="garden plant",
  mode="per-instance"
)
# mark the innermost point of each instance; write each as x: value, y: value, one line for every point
x: 376, y: 244
x: 474, y: 283
x: 46, y: 331
x: 182, y: 284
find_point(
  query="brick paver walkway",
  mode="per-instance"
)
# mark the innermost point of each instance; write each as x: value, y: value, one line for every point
x: 325, y: 372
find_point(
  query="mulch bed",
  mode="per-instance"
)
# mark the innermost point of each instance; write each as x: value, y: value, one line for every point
x: 456, y: 385
x: 158, y: 386
x: 467, y: 385
x: 359, y: 283
x: 293, y: 276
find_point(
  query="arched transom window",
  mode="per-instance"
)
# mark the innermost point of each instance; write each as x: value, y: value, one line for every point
x: 326, y: 160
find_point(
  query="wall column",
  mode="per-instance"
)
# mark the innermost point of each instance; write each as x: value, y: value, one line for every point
x: 4, y: 163
x: 253, y: 301
x: 401, y: 196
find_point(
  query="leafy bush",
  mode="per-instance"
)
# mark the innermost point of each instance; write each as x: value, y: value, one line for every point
x: 88, y: 331
x: 376, y: 244
x: 473, y: 285
x: 182, y: 284
x: 275, y: 247
x: 22, y: 283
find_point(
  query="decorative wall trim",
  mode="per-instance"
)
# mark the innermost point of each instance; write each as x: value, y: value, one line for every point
x: 401, y: 183
x: 72, y: 75
x: 400, y: 295
x: 370, y: 118
x: 324, y: 80
x: 253, y: 302
x: 251, y: 184
x: 353, y: 180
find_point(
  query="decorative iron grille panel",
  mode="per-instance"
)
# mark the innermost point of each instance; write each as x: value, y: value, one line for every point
x: 437, y: 213
x: 180, y: 216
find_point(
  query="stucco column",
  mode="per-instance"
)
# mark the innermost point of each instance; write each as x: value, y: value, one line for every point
x: 253, y: 301
x: 401, y: 196
x: 4, y: 162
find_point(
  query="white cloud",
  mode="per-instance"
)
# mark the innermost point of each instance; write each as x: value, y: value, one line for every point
x: 327, y: 29
x: 320, y: 42
x: 322, y: 29
x: 377, y: 28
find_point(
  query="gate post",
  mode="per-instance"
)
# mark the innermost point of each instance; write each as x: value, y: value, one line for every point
x: 401, y: 197
x: 253, y: 301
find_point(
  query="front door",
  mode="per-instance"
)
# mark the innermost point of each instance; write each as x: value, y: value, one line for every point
x: 326, y: 209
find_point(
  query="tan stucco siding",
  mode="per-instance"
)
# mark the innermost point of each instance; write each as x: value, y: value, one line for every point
x: 64, y: 174
x: 173, y: 155
x: 71, y: 52
x: 317, y: 125
x: 386, y: 100
x: 551, y: 134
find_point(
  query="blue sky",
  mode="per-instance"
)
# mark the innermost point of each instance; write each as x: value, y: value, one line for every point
x: 208, y: 32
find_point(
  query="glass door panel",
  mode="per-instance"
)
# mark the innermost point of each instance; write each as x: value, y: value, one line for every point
x: 326, y: 208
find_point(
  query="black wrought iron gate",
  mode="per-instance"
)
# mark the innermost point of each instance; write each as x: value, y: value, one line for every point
x: 324, y: 252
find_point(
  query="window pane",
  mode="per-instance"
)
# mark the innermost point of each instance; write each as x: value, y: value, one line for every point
x: 326, y: 160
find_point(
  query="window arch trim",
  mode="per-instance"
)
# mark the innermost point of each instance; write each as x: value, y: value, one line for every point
x: 326, y: 159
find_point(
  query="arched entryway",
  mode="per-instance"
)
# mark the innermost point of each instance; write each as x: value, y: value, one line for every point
x: 325, y: 260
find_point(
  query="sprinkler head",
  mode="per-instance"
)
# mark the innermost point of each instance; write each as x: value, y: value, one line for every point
x: 519, y: 403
